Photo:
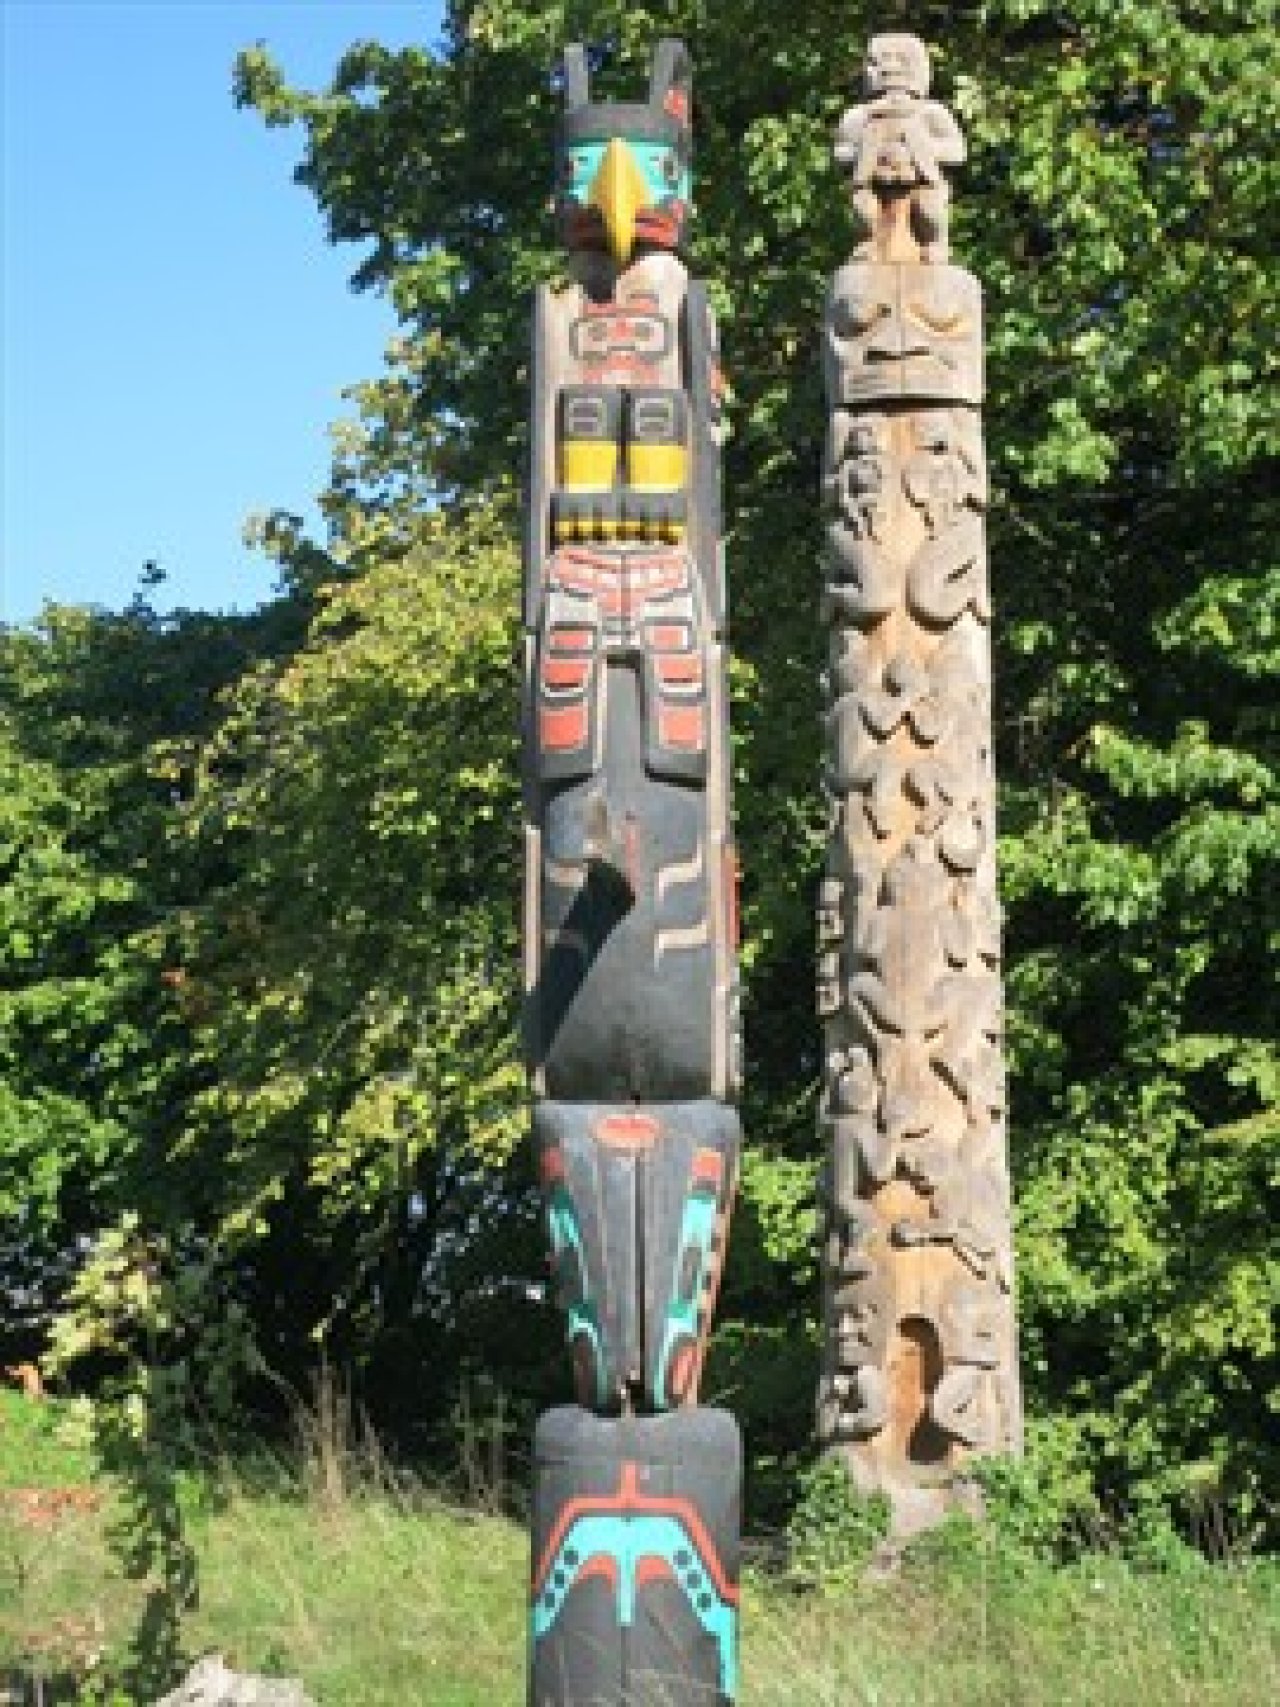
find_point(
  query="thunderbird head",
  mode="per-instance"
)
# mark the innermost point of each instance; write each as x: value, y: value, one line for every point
x: 625, y: 166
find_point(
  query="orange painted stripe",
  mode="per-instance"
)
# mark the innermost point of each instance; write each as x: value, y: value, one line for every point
x: 680, y: 669
x: 682, y: 726
x: 627, y: 1131
x: 565, y: 672
x: 562, y: 728
x: 683, y: 1367
x: 668, y: 636
x: 571, y: 639
x: 601, y: 1566
x: 651, y: 1570
x: 708, y: 1168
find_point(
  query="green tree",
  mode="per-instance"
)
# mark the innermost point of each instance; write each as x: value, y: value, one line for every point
x: 351, y: 987
x: 94, y: 1053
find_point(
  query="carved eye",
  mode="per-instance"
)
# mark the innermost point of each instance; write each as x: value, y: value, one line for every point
x: 942, y: 309
x: 943, y: 320
x: 671, y: 169
x: 857, y: 314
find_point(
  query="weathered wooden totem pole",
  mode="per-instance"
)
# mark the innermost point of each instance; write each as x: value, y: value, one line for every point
x: 920, y: 1364
x: 629, y: 929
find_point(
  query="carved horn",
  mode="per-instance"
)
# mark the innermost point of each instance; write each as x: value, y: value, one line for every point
x: 672, y: 69
x: 577, y: 81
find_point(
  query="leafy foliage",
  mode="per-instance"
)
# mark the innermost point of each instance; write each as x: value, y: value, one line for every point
x: 94, y: 1057
x: 352, y: 986
x: 833, y: 1531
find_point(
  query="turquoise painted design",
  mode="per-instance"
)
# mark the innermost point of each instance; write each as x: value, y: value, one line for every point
x: 583, y: 1318
x: 625, y: 1538
x: 697, y: 1229
x: 665, y: 178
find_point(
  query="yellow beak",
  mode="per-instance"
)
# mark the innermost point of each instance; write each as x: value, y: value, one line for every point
x: 619, y: 191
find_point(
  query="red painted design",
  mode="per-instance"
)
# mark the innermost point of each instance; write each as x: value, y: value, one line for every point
x: 686, y: 669
x: 659, y: 227
x: 626, y: 1502
x: 584, y: 227
x: 572, y: 639
x: 565, y: 672
x: 562, y: 728
x: 621, y: 583
x: 668, y: 636
x: 630, y: 331
x: 682, y: 726
x: 684, y: 1366
x: 627, y: 1131
x: 649, y: 1570
x: 551, y: 1167
x: 707, y: 1170
x: 676, y: 102
x: 604, y: 364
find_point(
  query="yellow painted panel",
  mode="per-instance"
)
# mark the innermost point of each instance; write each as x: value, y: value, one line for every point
x: 656, y: 468
x: 588, y: 465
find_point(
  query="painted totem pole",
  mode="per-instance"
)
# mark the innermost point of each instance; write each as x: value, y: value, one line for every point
x: 629, y: 928
x: 920, y: 1362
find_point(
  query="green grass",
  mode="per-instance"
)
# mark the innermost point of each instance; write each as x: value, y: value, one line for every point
x: 388, y: 1597
x: 43, y: 1445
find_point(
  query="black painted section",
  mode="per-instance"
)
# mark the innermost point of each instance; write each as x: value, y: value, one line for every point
x: 640, y: 1285
x: 625, y: 1012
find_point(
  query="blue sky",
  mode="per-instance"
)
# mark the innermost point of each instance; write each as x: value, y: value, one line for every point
x: 177, y: 332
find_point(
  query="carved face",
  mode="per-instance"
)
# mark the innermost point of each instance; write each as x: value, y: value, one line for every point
x: 664, y: 173
x: 906, y: 337
x: 897, y: 65
x: 623, y: 178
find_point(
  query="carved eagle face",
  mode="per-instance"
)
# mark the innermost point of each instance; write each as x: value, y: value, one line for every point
x: 625, y: 175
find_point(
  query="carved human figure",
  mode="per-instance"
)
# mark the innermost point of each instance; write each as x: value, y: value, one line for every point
x: 859, y: 1321
x: 946, y: 481
x: 896, y: 144
x: 864, y: 582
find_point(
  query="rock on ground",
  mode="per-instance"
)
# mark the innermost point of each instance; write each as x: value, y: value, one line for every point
x: 211, y: 1683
